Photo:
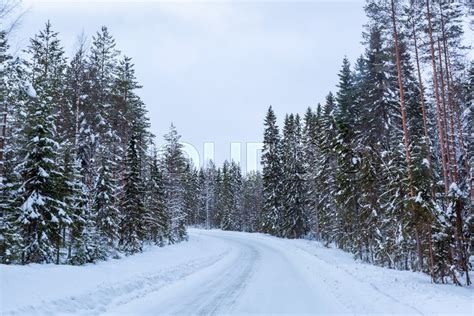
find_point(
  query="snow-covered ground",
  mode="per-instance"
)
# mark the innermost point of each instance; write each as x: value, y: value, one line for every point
x: 220, y: 272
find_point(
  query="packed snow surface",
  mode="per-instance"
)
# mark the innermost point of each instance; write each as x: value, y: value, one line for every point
x: 220, y: 272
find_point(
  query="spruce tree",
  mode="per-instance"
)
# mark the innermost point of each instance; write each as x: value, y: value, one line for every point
x: 130, y: 117
x: 346, y: 192
x: 272, y: 177
x: 157, y: 219
x: 326, y: 169
x: 310, y: 153
x: 4, y: 108
x: 236, y: 189
x: 252, y: 201
x: 102, y: 71
x: 173, y: 170
x: 132, y: 232
x: 202, y: 198
x: 226, y: 198
x: 218, y: 196
x: 209, y: 192
x: 78, y: 87
x: 293, y: 223
x: 82, y: 241
x: 43, y: 215
x: 12, y: 104
x: 104, y: 209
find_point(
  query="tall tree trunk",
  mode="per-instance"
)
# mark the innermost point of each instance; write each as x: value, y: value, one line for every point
x: 447, y: 143
x: 3, y: 136
x: 422, y: 92
x: 428, y: 142
x: 454, y: 108
x: 438, y: 100
x: 405, y: 136
x: 461, y: 242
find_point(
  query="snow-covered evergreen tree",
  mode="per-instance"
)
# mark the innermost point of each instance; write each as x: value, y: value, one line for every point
x: 294, y: 222
x: 104, y: 208
x: 157, y: 219
x: 252, y: 201
x: 191, y: 193
x: 82, y: 135
x: 272, y: 176
x: 346, y: 186
x: 66, y: 194
x: 43, y: 213
x: 132, y: 231
x: 174, y: 165
x: 130, y: 117
x: 102, y: 115
x: 326, y: 168
x: 311, y: 133
x: 82, y: 237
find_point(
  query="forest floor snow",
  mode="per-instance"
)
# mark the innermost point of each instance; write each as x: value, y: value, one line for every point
x: 219, y: 272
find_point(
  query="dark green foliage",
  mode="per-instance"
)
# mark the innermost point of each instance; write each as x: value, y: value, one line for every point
x: 272, y: 176
x: 67, y: 194
x: 132, y: 231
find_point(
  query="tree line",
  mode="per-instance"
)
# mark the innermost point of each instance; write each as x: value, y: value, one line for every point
x: 81, y: 179
x: 383, y: 168
x: 224, y: 198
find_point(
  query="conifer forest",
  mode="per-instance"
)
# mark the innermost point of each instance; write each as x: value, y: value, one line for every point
x: 381, y: 169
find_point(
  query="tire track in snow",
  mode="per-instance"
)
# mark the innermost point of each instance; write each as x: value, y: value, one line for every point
x: 221, y: 291
x: 97, y: 301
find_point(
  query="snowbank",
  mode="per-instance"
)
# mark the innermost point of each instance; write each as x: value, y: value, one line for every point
x: 220, y: 272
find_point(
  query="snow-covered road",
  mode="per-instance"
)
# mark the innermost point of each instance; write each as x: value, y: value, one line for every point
x: 255, y: 276
x: 227, y: 273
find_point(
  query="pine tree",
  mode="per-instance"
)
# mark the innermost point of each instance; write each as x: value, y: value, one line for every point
x: 190, y: 186
x: 326, y: 168
x: 218, y: 196
x: 293, y: 223
x: 78, y: 85
x: 82, y: 241
x: 174, y: 166
x: 271, y: 164
x: 377, y: 137
x: 226, y: 197
x: 43, y: 215
x: 236, y: 189
x: 41, y: 207
x: 310, y: 154
x: 104, y: 208
x: 230, y: 197
x: 252, y: 201
x: 346, y: 186
x: 157, y: 219
x: 209, y: 192
x: 130, y: 117
x: 102, y: 67
x: 202, y: 199
x: 65, y: 127
x: 11, y: 238
x: 4, y: 65
x: 102, y: 71
x: 12, y: 102
x: 133, y: 209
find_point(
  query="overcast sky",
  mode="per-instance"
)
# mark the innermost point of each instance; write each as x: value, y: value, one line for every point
x: 213, y: 68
